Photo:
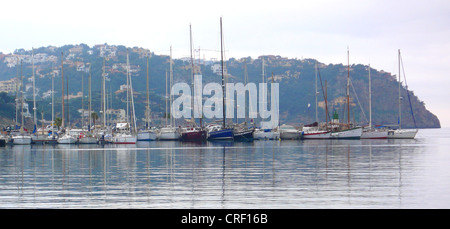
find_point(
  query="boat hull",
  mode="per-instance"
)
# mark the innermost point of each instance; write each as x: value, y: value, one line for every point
x: 146, y: 136
x: 374, y: 134
x: 169, y: 136
x: 269, y: 135
x: 200, y: 135
x: 67, y: 140
x: 225, y: 134
x: 88, y: 140
x: 316, y: 135
x: 2, y: 142
x: 290, y: 135
x: 21, y: 140
x: 243, y: 136
x: 402, y: 134
x: 125, y: 139
x: 354, y: 133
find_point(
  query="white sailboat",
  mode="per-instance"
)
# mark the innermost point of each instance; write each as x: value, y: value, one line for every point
x: 265, y: 133
x: 66, y: 138
x: 314, y: 130
x: 348, y: 130
x: 86, y: 136
x: 289, y: 132
x: 125, y: 132
x: 148, y: 133
x: 370, y: 132
x: 22, y: 138
x: 169, y: 132
x: 401, y: 133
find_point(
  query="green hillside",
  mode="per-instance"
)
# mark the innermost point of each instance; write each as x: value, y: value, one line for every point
x: 295, y: 76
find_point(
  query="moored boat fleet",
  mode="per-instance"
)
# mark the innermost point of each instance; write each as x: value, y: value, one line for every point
x: 126, y: 132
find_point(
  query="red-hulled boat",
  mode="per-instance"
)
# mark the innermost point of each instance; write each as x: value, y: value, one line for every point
x: 191, y: 134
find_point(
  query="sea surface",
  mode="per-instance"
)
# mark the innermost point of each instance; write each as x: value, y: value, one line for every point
x: 302, y: 174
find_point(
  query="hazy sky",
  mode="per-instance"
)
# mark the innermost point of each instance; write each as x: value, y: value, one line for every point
x: 319, y: 29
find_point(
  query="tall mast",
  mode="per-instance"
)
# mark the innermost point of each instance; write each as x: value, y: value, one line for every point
x: 104, y: 92
x: 68, y: 108
x: 166, y: 115
x: 17, y: 93
x: 223, y: 66
x: 128, y: 72
x: 147, y: 111
x: 82, y: 100
x: 317, y: 118
x: 21, y: 97
x: 399, y: 94
x: 62, y: 83
x: 192, y: 73
x: 34, y: 89
x: 133, y: 118
x: 172, y: 123
x: 370, y: 100
x: 348, y: 86
x: 89, y: 87
x: 53, y: 102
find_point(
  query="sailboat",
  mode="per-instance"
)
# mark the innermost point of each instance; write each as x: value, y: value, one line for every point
x: 345, y: 130
x: 194, y: 132
x: 169, y: 132
x: 401, y: 133
x: 315, y: 130
x: 124, y: 134
x: 217, y: 132
x: 86, y: 136
x: 66, y: 138
x: 147, y: 134
x: 22, y: 138
x: 36, y: 137
x: 370, y: 132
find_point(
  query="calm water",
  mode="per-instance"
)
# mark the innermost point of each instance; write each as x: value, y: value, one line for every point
x: 264, y: 174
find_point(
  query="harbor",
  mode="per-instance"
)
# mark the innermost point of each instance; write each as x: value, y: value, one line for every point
x: 287, y: 174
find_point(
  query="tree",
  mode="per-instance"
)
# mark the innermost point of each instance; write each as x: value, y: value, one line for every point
x: 58, y: 122
x: 94, y: 117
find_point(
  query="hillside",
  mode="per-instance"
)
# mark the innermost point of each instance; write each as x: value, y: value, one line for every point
x: 296, y: 78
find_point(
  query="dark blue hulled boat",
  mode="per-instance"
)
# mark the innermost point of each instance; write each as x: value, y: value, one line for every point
x: 216, y: 132
x: 221, y: 132
x: 244, y: 135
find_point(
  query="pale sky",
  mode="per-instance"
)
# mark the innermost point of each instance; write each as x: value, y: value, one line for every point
x: 319, y: 29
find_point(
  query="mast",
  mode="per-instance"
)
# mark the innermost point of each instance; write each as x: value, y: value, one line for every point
x: 370, y: 100
x: 348, y: 86
x: 128, y: 72
x: 399, y: 94
x: 62, y: 83
x: 166, y: 115
x: 316, y: 92
x: 192, y: 73
x: 34, y: 89
x: 223, y: 66
x: 53, y: 102
x: 172, y: 122
x: 21, y: 97
x: 68, y: 110
x: 82, y: 100
x: 133, y: 119
x: 89, y: 86
x: 326, y: 103
x: 104, y: 92
x: 147, y: 111
x: 17, y: 93
x: 245, y: 83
